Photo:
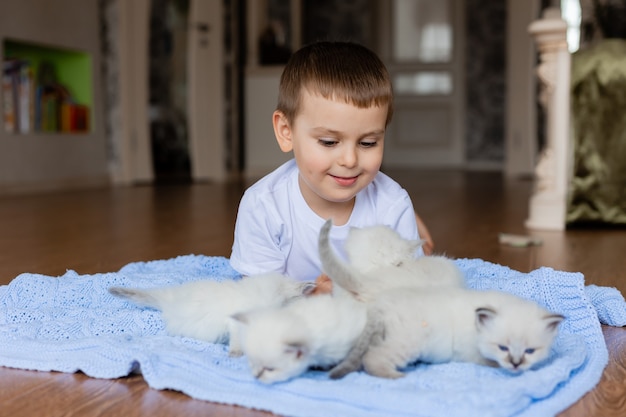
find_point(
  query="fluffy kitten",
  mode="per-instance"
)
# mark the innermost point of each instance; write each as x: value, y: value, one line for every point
x: 318, y: 331
x: 437, y: 325
x: 203, y: 309
x: 379, y: 259
x: 370, y: 248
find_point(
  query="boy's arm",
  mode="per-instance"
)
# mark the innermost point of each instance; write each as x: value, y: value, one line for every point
x: 255, y: 250
x: 429, y: 245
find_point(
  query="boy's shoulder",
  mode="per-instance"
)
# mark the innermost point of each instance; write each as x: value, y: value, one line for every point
x: 276, y: 181
x: 384, y: 185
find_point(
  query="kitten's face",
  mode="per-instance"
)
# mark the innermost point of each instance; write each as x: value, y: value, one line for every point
x: 271, y: 348
x: 276, y: 363
x: 376, y: 246
x: 516, y: 340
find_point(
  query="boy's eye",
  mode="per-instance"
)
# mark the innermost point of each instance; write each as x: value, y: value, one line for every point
x: 327, y: 142
x: 368, y: 144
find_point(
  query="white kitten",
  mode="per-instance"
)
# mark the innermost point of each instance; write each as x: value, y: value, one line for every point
x: 317, y: 331
x: 203, y: 309
x: 381, y: 259
x: 438, y: 325
x: 370, y: 248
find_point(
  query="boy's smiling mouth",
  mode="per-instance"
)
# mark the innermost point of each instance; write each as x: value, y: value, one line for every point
x: 345, y: 181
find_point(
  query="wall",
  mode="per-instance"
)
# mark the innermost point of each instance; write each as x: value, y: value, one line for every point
x: 51, y: 160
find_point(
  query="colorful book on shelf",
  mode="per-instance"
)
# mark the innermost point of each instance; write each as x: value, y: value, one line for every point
x: 81, y: 118
x: 18, y: 86
x: 26, y: 98
x: 49, y: 112
x: 74, y: 117
x: 38, y: 104
x: 8, y: 107
x: 11, y: 78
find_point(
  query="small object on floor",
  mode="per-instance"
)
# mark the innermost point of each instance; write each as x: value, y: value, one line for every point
x: 518, y: 241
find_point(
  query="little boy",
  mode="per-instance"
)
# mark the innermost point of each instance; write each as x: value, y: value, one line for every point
x: 334, y: 104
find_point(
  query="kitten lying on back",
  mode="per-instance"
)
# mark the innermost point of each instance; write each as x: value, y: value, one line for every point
x: 203, y: 309
x: 379, y: 259
x: 317, y: 331
x: 438, y: 325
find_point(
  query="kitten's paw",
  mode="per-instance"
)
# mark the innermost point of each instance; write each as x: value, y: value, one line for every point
x: 383, y: 371
x: 389, y: 374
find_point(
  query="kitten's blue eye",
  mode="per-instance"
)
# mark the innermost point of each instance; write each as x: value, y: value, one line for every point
x: 503, y: 348
x: 529, y: 351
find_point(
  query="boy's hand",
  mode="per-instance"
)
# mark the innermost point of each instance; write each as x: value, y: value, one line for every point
x: 429, y: 245
x: 324, y: 285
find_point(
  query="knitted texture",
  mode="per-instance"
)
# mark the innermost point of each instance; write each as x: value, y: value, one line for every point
x: 610, y: 304
x: 72, y: 323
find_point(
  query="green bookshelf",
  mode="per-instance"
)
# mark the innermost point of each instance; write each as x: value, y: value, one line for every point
x: 71, y: 74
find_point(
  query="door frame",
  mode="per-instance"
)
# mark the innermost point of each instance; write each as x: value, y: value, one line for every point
x: 205, y: 99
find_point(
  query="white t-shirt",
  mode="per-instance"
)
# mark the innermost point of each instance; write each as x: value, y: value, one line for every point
x: 276, y: 231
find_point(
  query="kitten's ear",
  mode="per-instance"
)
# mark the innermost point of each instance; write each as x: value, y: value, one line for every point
x: 296, y: 349
x: 552, y: 321
x: 484, y: 316
x: 308, y: 287
x: 241, y: 318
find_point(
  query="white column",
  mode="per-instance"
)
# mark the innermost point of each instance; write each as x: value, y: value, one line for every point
x: 552, y: 174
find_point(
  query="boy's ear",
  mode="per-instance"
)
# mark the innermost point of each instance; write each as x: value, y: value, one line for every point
x: 282, y: 130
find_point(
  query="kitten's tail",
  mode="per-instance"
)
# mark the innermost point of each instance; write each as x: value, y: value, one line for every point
x: 337, y: 270
x: 352, y: 362
x: 140, y: 297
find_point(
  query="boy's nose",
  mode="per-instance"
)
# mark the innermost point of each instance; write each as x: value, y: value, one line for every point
x: 348, y: 157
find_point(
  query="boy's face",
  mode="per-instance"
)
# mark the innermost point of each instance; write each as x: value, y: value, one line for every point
x: 338, y: 148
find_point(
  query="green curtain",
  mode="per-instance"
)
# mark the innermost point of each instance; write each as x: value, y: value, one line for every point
x: 598, y: 188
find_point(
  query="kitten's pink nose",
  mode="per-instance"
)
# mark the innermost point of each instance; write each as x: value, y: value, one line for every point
x: 516, y: 362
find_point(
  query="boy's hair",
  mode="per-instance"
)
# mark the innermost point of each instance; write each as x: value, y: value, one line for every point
x: 335, y: 70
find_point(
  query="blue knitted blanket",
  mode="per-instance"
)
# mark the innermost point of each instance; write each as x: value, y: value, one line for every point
x: 72, y: 323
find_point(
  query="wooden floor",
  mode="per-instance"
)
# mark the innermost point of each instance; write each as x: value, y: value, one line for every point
x: 102, y: 230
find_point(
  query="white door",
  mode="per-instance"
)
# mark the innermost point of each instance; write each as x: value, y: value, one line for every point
x: 206, y: 91
x: 423, y: 52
